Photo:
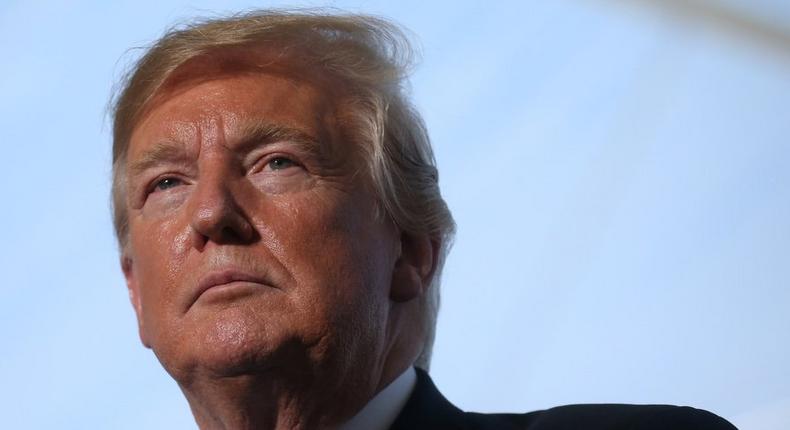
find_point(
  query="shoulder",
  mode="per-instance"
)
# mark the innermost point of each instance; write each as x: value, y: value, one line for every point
x: 427, y: 409
x: 610, y: 417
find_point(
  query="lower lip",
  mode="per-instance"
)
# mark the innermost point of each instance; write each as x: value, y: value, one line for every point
x: 232, y: 290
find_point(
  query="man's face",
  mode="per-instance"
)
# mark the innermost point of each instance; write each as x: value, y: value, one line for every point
x: 253, y: 241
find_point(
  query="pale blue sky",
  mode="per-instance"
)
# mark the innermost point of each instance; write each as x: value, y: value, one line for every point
x: 619, y: 173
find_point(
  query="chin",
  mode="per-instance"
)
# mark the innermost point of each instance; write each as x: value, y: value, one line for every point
x: 235, y: 341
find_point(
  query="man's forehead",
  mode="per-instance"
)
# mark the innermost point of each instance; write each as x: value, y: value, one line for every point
x: 245, y: 59
x: 232, y: 107
x: 233, y: 95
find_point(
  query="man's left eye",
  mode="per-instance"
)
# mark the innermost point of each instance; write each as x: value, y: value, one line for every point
x: 166, y: 183
x: 280, y: 163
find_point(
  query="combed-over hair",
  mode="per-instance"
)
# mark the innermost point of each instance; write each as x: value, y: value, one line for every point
x: 370, y: 55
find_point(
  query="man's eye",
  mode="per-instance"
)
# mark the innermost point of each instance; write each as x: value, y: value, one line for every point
x: 166, y: 183
x: 280, y: 163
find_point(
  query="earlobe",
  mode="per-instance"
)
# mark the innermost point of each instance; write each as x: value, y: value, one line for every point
x: 134, y: 296
x: 414, y: 268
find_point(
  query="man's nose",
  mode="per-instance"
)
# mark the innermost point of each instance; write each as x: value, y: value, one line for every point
x: 217, y: 216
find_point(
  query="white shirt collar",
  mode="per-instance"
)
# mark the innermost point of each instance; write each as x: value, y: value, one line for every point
x: 384, y: 407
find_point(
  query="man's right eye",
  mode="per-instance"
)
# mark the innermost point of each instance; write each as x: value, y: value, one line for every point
x: 166, y: 183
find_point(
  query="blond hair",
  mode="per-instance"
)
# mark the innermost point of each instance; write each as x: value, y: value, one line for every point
x: 369, y: 54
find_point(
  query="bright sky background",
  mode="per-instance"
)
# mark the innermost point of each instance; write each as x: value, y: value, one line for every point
x: 619, y: 173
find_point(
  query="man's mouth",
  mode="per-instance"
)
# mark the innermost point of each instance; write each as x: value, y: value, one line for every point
x: 227, y: 283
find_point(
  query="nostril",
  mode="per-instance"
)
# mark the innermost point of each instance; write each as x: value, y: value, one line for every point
x: 234, y: 228
x: 219, y: 218
x: 229, y: 234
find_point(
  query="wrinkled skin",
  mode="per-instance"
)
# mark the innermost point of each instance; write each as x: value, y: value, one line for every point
x: 323, y: 318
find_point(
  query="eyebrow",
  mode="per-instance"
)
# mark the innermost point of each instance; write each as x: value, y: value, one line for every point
x: 254, y: 134
x: 260, y: 133
x: 161, y: 152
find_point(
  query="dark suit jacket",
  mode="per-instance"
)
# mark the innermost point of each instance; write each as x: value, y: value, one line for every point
x: 427, y: 409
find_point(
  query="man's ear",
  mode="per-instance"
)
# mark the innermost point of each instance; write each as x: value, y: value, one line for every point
x: 414, y: 268
x: 134, y: 295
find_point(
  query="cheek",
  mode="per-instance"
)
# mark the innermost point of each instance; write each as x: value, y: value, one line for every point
x: 161, y: 231
x: 311, y: 235
x: 337, y: 253
x: 159, y: 250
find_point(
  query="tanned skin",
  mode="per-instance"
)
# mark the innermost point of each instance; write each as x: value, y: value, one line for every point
x: 260, y: 272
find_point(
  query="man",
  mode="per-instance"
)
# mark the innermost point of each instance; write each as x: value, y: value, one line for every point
x: 282, y: 232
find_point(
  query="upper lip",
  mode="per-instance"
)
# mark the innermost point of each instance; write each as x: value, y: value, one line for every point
x: 226, y: 276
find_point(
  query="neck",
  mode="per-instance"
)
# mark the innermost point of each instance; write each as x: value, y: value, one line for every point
x: 265, y: 402
x: 276, y: 401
